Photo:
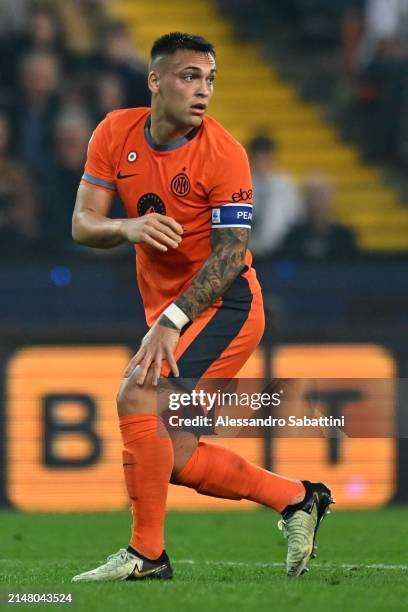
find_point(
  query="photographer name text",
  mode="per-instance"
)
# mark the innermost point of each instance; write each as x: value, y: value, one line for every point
x: 176, y: 420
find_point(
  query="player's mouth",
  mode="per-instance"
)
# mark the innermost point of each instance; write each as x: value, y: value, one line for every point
x: 198, y: 109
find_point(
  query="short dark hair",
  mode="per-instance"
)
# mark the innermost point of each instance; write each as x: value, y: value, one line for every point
x: 172, y: 42
x: 262, y: 144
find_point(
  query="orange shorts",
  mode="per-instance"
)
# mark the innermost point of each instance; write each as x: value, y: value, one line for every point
x: 222, y: 338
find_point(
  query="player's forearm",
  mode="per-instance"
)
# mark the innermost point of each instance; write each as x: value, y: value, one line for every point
x: 212, y: 281
x: 217, y: 273
x: 94, y: 230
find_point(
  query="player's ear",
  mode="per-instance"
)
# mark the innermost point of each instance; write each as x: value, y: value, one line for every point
x: 153, y: 80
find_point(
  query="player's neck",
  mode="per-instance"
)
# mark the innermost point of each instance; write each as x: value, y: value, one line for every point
x: 164, y: 131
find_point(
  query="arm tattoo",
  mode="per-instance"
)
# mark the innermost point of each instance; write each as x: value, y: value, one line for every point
x: 165, y: 321
x: 218, y: 271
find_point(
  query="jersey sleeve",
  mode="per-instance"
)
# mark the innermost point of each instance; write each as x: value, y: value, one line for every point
x: 99, y: 169
x: 231, y: 195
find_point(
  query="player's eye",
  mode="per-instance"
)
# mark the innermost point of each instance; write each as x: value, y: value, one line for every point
x: 188, y: 77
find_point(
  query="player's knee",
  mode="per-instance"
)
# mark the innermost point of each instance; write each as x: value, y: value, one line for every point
x: 136, y: 399
x: 184, y: 445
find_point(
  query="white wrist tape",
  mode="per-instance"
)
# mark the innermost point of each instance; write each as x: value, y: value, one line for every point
x: 176, y: 316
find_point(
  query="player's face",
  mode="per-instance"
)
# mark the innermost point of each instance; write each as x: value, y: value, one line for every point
x: 185, y: 87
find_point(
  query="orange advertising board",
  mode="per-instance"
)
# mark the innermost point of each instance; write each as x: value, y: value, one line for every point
x: 63, y: 442
x: 64, y: 450
x: 362, y: 473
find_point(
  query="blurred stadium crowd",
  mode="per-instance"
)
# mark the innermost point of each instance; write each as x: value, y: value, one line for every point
x: 362, y: 51
x: 64, y: 65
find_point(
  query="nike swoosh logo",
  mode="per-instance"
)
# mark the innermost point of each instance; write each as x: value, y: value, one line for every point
x: 138, y: 574
x: 125, y: 176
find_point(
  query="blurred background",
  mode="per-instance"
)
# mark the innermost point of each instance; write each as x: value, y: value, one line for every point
x: 316, y: 92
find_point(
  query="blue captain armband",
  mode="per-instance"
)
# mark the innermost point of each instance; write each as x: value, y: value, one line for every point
x: 232, y: 215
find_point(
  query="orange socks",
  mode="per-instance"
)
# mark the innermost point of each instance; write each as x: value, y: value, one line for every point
x: 212, y: 470
x: 219, y: 472
x: 147, y: 462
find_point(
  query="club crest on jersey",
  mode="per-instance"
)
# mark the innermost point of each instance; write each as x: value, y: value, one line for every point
x: 150, y: 203
x: 132, y: 157
x: 180, y: 185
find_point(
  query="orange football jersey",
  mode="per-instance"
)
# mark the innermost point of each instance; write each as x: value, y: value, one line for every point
x: 202, y: 181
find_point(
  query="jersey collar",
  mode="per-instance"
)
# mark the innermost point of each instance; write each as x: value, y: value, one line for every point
x: 173, y: 145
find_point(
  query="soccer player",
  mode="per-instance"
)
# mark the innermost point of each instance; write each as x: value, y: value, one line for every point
x: 186, y: 186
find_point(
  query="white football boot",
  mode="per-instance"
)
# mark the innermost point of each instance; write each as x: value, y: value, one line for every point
x: 125, y: 565
x: 300, y: 523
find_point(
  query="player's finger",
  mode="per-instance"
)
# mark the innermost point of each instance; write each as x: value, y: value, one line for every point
x: 158, y: 235
x: 153, y: 243
x: 158, y: 358
x: 133, y: 363
x: 144, y: 368
x: 168, y: 231
x: 171, y: 223
x: 172, y: 363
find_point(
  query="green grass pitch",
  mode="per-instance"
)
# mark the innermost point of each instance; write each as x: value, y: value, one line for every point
x: 222, y: 561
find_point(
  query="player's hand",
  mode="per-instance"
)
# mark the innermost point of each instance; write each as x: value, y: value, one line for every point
x: 158, y: 231
x: 159, y: 343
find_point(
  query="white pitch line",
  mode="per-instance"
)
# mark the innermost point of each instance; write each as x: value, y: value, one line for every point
x: 351, y: 566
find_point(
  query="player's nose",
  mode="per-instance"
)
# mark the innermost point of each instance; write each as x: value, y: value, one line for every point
x: 204, y: 90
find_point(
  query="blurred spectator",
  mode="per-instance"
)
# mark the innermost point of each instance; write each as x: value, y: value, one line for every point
x: 13, y: 15
x: 117, y: 55
x: 277, y: 205
x: 109, y: 94
x: 384, y: 61
x: 83, y: 20
x: 44, y: 32
x: 71, y: 133
x: 352, y: 31
x: 318, y: 238
x: 35, y: 108
x: 19, y: 225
